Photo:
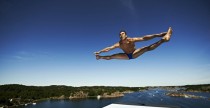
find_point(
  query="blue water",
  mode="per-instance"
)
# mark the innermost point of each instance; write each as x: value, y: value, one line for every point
x: 154, y: 97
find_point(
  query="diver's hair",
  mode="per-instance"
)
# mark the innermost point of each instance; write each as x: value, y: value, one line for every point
x: 123, y: 31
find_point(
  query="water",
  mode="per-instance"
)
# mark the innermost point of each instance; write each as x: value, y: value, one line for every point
x: 154, y: 97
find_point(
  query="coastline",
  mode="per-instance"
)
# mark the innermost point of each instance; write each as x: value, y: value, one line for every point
x: 62, y: 97
x: 16, y: 95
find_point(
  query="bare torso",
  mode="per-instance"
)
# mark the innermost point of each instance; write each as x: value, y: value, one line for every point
x: 127, y: 45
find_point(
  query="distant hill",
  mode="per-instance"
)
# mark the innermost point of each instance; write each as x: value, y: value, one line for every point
x: 198, y: 88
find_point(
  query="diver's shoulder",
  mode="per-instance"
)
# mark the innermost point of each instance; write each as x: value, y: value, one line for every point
x: 130, y: 38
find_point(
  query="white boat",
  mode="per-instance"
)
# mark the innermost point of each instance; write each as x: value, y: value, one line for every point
x: 98, y: 97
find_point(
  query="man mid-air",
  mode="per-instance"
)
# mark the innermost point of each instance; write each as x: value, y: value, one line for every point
x: 127, y: 44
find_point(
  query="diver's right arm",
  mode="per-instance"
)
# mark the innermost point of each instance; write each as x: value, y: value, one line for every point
x: 108, y: 48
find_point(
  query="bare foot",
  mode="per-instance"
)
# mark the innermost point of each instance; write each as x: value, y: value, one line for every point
x: 162, y: 34
x: 167, y: 37
x: 97, y: 57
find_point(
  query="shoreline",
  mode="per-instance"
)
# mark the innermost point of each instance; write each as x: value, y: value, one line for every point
x: 179, y: 94
x: 34, y: 102
x: 15, y: 95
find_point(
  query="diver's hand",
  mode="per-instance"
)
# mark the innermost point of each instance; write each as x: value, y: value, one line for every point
x: 97, y: 53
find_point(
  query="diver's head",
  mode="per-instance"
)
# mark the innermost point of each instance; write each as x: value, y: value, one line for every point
x: 123, y: 34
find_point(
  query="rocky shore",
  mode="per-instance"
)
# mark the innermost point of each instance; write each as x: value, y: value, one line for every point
x: 81, y: 95
x: 78, y: 95
x: 112, y: 95
x: 177, y: 94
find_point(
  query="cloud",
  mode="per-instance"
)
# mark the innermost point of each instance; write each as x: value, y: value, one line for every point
x: 129, y: 5
x: 23, y: 56
x: 23, y: 52
x: 18, y: 57
x: 26, y: 56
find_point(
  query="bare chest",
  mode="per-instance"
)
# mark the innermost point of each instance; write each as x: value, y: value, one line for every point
x: 127, y: 46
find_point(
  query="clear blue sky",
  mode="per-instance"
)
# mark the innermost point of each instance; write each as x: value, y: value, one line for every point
x: 51, y: 42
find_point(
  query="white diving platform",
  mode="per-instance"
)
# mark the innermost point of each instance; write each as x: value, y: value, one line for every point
x: 131, y: 106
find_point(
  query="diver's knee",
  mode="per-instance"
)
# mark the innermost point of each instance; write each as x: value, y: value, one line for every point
x: 149, y: 48
x: 109, y: 57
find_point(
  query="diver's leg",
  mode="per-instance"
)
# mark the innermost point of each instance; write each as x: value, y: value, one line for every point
x: 165, y: 35
x: 142, y: 50
x: 122, y: 56
x: 149, y: 37
x: 165, y: 38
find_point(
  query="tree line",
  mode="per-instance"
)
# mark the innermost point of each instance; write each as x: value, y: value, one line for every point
x: 25, y: 93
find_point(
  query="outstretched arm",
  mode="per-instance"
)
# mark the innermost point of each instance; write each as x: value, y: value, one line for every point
x: 148, y: 37
x: 108, y: 48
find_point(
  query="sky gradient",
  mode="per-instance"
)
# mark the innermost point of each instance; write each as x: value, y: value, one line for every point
x: 51, y: 42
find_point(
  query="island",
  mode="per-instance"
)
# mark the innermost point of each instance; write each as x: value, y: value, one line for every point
x: 185, y: 95
x: 182, y: 91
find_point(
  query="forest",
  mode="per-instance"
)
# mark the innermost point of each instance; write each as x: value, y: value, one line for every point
x: 27, y: 94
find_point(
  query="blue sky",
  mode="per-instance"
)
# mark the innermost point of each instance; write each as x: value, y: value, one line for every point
x: 51, y: 42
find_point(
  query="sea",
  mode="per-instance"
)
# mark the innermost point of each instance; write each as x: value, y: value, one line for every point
x: 154, y: 97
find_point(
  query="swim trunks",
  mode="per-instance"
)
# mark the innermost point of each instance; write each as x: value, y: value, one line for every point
x: 130, y: 55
